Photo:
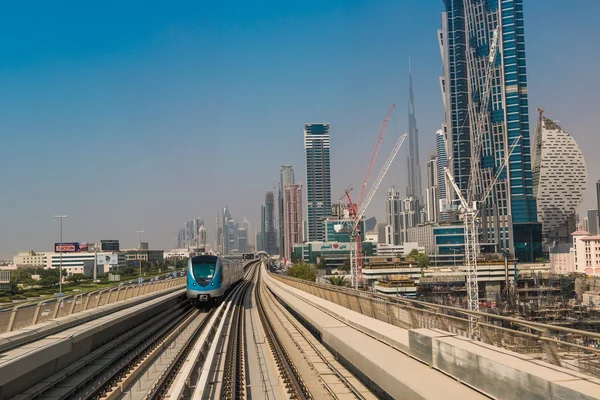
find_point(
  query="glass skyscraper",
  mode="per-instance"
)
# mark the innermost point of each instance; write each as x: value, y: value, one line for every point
x: 509, y: 217
x: 318, y: 179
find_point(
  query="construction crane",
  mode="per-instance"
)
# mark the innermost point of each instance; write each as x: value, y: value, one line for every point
x: 353, y: 207
x: 477, y: 194
x: 469, y: 212
x: 356, y: 246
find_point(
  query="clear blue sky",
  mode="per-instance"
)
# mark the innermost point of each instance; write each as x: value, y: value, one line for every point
x: 142, y: 115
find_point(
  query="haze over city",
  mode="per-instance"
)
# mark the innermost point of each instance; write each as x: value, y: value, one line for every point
x: 143, y: 116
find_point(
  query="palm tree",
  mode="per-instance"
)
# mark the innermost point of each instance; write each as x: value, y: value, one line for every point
x: 338, y: 280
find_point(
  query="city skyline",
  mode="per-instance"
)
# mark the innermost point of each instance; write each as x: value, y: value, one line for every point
x: 124, y: 112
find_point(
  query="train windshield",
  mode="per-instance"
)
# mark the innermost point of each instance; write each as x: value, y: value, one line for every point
x: 203, y: 269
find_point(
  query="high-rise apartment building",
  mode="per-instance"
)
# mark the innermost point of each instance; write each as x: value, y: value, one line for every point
x: 292, y: 218
x: 442, y: 163
x: 270, y: 231
x: 414, y: 188
x: 261, y: 244
x: 192, y: 234
x: 409, y: 217
x: 432, y: 198
x: 393, y: 207
x: 559, y: 181
x: 318, y: 179
x: 509, y: 217
x: 286, y: 177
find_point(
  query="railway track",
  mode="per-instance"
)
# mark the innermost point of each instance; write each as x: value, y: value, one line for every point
x: 214, y: 367
x: 144, y: 362
x: 185, y: 353
x: 309, y: 370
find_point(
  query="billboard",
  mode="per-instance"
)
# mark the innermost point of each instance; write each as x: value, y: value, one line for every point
x: 111, y: 258
x: 109, y: 245
x: 330, y: 246
x: 73, y: 247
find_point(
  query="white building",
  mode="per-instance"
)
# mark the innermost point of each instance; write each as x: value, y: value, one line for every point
x: 30, y: 259
x: 559, y: 180
x: 401, y: 249
x: 77, y: 263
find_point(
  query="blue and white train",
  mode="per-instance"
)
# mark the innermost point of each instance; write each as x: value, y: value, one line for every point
x: 210, y: 277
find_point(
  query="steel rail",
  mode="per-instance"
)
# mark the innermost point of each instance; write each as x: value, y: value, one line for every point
x: 308, y: 340
x: 282, y: 358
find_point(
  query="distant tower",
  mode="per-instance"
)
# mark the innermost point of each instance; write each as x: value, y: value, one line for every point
x: 202, y: 236
x: 393, y: 206
x: 432, y: 202
x: 270, y: 232
x: 414, y: 188
x: 318, y: 179
x: 286, y: 178
x: 442, y: 163
x: 293, y: 218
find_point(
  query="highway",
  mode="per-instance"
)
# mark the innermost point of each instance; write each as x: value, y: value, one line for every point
x: 274, y: 338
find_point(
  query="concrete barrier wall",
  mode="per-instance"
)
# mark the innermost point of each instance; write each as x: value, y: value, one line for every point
x: 27, y: 365
x: 497, y: 372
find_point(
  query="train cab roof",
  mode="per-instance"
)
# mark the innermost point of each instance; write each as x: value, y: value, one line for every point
x: 204, y: 259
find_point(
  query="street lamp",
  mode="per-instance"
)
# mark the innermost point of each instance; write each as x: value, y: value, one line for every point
x: 60, y: 292
x: 138, y: 257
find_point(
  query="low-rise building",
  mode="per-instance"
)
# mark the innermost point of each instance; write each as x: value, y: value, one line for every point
x: 30, y: 259
x: 145, y: 255
x: 586, y: 253
x: 401, y: 249
x: 83, y: 263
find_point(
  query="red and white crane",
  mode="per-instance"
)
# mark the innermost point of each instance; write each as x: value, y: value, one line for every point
x: 357, y: 210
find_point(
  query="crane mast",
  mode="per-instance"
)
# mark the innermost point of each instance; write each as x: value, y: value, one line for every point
x: 469, y: 213
x: 475, y: 190
x: 356, y: 247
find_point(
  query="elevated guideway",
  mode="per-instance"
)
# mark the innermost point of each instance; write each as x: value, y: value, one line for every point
x: 398, y: 348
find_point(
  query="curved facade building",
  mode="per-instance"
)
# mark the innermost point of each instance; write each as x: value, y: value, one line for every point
x: 559, y: 180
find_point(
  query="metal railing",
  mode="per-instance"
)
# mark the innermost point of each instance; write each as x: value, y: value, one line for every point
x: 31, y: 313
x: 566, y: 347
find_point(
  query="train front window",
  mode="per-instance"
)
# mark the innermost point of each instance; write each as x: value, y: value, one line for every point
x: 203, y: 270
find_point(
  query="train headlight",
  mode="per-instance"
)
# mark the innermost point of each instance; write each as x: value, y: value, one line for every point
x: 194, y: 283
x: 212, y: 284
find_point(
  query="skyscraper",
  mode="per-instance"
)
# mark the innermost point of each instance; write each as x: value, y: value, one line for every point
x: 393, y: 206
x: 318, y: 179
x: 263, y: 229
x: 442, y: 163
x: 270, y: 232
x: 293, y: 218
x: 559, y: 181
x: 509, y: 217
x: 414, y: 188
x: 286, y: 177
x: 409, y: 217
x: 432, y: 200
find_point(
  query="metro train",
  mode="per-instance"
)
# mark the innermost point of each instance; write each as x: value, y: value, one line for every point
x: 211, y: 277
